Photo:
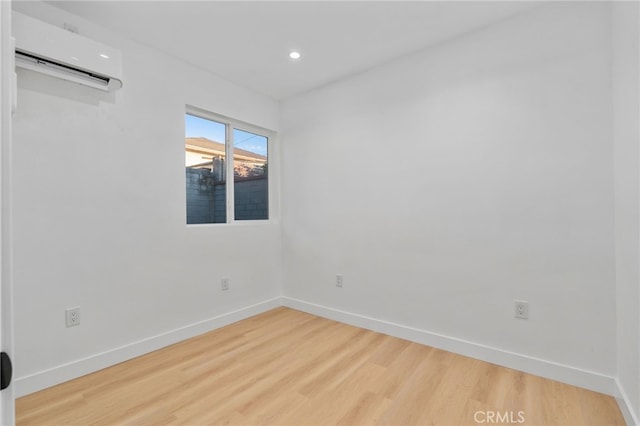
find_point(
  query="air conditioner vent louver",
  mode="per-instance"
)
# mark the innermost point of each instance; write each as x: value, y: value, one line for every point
x: 53, y: 51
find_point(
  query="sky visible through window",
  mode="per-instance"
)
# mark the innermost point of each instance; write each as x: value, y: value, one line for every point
x: 196, y: 127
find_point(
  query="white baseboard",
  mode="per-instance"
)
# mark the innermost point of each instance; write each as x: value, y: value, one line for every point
x: 630, y: 416
x: 547, y: 369
x: 62, y: 373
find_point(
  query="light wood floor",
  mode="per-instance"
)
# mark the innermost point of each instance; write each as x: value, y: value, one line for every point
x: 286, y: 367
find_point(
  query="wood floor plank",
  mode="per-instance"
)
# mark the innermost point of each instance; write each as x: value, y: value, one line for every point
x: 453, y: 390
x: 388, y: 350
x: 278, y: 408
x: 367, y: 410
x: 290, y: 368
x: 595, y: 408
x: 417, y: 390
x: 402, y: 368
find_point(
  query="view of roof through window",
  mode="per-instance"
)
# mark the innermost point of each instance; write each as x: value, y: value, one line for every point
x: 205, y: 143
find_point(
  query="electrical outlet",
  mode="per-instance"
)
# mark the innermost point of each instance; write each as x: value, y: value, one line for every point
x: 72, y: 316
x: 339, y: 280
x: 521, y: 309
x: 224, y: 284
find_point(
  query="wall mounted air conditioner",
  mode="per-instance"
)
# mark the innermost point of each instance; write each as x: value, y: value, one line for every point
x: 60, y: 53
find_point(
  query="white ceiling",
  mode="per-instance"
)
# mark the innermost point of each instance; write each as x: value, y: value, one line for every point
x: 248, y: 42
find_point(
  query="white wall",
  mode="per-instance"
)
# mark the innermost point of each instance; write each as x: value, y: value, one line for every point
x: 99, y: 211
x: 626, y: 110
x: 447, y: 184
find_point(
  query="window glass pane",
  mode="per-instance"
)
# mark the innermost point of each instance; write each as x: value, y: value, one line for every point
x: 250, y: 177
x: 205, y: 169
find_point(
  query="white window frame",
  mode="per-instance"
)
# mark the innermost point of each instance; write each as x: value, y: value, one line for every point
x: 231, y: 124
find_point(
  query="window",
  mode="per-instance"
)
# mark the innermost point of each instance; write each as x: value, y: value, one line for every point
x: 218, y: 188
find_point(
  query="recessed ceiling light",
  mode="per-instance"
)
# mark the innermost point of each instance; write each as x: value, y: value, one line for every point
x: 102, y: 55
x: 295, y: 55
